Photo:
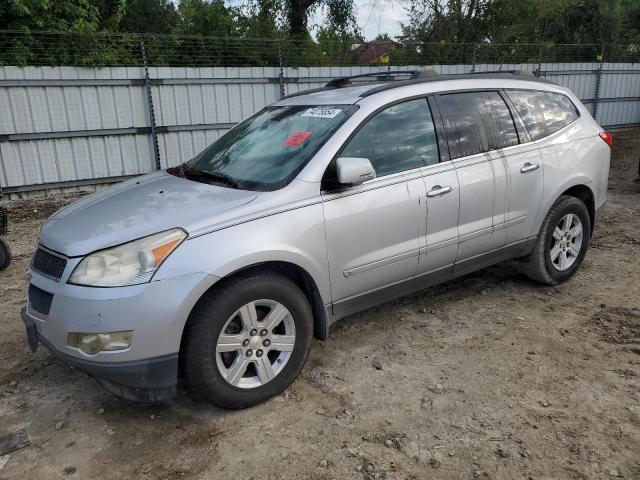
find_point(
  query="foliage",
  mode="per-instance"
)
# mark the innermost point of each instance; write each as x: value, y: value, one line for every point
x: 60, y: 15
x: 593, y: 22
x: 271, y: 32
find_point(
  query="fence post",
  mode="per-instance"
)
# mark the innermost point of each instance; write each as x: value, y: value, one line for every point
x: 281, y: 74
x: 538, y: 71
x: 473, y: 58
x: 152, y: 115
x: 596, y: 96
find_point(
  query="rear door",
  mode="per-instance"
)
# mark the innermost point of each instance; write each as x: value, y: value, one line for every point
x: 541, y: 113
x: 473, y: 130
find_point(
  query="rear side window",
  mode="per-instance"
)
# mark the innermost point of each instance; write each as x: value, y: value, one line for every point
x: 543, y: 113
x: 401, y: 137
x: 476, y: 122
x: 503, y: 131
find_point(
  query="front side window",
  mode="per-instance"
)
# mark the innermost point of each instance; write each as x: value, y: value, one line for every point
x: 401, y: 137
x: 476, y: 122
x: 264, y: 151
x: 543, y: 113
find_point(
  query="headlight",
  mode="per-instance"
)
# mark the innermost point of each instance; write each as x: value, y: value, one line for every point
x: 128, y: 264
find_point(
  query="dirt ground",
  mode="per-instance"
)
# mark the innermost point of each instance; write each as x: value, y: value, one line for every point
x: 490, y: 376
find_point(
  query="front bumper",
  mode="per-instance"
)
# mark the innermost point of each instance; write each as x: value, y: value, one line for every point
x: 149, y: 380
x: 156, y: 312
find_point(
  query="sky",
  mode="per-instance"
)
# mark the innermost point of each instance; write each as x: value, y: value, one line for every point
x: 376, y: 16
x: 381, y: 16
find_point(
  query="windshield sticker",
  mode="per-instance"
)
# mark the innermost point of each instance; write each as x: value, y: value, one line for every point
x: 321, y: 112
x: 296, y: 139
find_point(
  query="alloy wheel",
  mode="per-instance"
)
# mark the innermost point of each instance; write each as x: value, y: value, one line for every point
x: 255, y: 343
x: 567, y: 242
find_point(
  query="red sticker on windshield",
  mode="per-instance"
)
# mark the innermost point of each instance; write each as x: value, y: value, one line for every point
x: 296, y: 139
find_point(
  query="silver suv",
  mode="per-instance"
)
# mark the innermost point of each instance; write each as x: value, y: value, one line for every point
x: 221, y: 270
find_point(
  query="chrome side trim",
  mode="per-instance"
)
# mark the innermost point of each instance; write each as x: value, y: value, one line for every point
x: 380, y: 263
x: 383, y: 262
x: 472, y: 235
x: 256, y: 216
x: 356, y: 303
x: 369, y: 185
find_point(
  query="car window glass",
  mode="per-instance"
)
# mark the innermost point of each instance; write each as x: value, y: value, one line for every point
x: 543, y: 113
x: 503, y: 133
x: 476, y: 122
x: 558, y: 111
x: 262, y: 152
x: 465, y: 117
x: 398, y: 138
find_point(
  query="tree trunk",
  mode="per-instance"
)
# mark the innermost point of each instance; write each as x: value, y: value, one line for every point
x: 297, y: 16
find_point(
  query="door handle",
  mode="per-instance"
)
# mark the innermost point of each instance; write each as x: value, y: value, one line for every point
x: 529, y: 167
x: 437, y: 191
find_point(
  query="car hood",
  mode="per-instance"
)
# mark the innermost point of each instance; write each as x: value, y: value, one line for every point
x: 136, y: 208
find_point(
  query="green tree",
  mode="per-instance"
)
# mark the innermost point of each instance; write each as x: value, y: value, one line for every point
x: 207, y: 18
x: 147, y: 16
x: 519, y: 22
x: 340, y: 15
x: 61, y: 15
x: 261, y: 19
x: 337, y: 46
x: 459, y: 21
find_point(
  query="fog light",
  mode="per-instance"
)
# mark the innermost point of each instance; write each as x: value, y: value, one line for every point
x: 93, y: 343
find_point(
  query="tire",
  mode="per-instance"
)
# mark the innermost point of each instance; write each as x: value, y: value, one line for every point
x: 545, y: 263
x: 5, y: 255
x: 227, y: 310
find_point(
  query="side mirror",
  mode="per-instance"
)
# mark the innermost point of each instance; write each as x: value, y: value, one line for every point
x: 354, y: 171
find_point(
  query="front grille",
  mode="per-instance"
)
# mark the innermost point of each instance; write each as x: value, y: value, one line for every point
x: 48, y: 264
x: 39, y: 300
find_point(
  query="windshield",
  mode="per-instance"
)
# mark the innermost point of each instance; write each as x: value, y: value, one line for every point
x: 265, y: 151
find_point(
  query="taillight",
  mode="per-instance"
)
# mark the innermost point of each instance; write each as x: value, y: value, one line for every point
x: 607, y: 137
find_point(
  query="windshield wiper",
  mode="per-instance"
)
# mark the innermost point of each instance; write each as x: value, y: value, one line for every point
x: 211, y: 176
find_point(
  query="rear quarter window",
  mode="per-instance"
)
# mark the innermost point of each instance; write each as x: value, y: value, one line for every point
x: 543, y: 113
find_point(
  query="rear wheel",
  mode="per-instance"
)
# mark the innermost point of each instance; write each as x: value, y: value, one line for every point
x: 562, y: 242
x: 5, y: 255
x: 247, y: 340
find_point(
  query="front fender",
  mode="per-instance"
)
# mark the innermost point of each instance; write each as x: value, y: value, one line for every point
x: 295, y: 236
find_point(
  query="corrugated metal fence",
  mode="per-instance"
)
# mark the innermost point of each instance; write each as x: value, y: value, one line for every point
x: 63, y: 127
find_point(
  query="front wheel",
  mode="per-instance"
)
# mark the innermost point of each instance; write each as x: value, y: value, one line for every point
x: 247, y: 340
x: 562, y: 242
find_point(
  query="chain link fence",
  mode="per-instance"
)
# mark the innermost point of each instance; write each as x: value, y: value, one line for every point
x: 108, y: 49
x: 85, y: 109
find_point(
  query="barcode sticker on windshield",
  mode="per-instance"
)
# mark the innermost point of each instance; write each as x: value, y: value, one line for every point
x: 322, y: 112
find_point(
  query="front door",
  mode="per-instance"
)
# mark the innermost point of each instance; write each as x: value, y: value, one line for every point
x: 374, y: 231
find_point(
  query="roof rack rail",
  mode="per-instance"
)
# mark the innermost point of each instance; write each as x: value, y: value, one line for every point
x: 527, y: 73
x: 342, y: 82
x: 413, y: 74
x: 514, y: 74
